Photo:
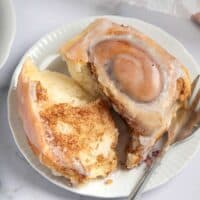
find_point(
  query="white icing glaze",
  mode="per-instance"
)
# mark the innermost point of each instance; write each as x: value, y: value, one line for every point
x: 78, y: 166
x: 170, y: 70
x: 144, y: 140
x: 134, y: 41
x: 133, y: 70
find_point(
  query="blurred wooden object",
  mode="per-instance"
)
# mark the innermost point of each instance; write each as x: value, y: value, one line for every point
x: 196, y: 18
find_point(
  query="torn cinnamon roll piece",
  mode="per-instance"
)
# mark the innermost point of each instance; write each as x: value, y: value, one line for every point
x: 145, y: 84
x: 71, y: 133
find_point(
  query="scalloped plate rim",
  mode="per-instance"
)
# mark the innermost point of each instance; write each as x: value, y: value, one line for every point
x: 78, y: 23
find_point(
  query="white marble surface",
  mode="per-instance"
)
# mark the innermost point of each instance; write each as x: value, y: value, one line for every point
x: 18, y: 181
x: 180, y: 8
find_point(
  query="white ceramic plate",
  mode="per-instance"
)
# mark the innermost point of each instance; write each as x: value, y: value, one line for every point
x: 7, y: 29
x: 44, y: 53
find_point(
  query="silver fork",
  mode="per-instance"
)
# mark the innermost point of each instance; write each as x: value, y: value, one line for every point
x: 182, y: 129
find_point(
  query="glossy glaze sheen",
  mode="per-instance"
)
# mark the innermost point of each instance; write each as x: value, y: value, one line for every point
x: 45, y: 52
x: 135, y: 72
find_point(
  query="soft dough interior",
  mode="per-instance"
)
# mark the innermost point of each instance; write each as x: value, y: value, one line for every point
x: 70, y: 131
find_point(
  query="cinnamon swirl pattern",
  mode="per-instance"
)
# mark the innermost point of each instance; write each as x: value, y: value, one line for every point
x: 144, y: 83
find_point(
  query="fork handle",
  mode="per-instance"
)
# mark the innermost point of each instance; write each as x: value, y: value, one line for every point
x: 137, y: 191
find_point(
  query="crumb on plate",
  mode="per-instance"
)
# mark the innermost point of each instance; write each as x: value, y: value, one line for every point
x: 108, y: 181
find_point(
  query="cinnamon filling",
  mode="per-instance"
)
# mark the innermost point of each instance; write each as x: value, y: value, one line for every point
x: 132, y: 69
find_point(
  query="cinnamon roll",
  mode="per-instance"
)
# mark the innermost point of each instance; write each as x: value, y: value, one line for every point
x: 145, y: 84
x: 71, y: 133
